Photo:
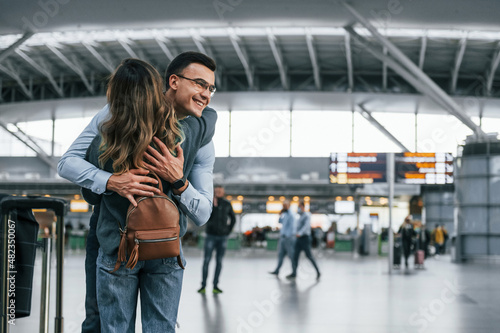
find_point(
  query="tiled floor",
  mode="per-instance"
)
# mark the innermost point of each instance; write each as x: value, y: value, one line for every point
x: 353, y: 295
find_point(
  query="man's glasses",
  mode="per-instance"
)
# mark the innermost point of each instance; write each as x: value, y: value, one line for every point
x: 201, y: 84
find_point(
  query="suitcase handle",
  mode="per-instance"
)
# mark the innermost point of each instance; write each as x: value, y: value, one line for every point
x: 58, y: 205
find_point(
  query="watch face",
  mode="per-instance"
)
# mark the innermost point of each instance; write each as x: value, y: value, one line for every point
x: 178, y: 184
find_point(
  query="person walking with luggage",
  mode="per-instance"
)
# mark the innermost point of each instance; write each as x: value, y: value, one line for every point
x: 303, y: 242
x: 219, y: 226
x: 287, y: 236
x: 424, y: 239
x: 407, y: 234
x: 139, y: 112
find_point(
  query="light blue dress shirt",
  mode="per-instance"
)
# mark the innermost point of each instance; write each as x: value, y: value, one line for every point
x: 304, y: 224
x: 288, y: 224
x: 195, y: 201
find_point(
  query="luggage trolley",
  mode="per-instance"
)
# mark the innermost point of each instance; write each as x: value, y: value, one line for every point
x: 7, y: 205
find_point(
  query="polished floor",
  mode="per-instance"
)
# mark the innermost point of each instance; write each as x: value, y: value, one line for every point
x: 353, y: 295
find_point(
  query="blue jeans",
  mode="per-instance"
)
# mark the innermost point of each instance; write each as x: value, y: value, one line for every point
x: 285, y: 247
x: 303, y: 243
x: 91, y: 324
x: 160, y: 284
x: 219, y: 243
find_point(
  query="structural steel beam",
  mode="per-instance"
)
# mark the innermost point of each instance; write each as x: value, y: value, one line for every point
x: 458, y: 62
x: 99, y: 57
x: 74, y: 67
x: 348, y: 56
x: 384, y: 71
x: 495, y: 61
x: 205, y: 49
x: 162, y: 43
x: 125, y: 44
x: 314, y: 59
x: 31, y: 144
x: 423, y: 49
x: 42, y: 70
x: 13, y: 74
x: 368, y: 116
x: 278, y: 57
x: 452, y: 107
x: 243, y: 56
x: 8, y: 51
x: 399, y: 69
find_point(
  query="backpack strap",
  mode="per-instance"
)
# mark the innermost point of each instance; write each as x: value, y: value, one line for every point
x: 179, y: 261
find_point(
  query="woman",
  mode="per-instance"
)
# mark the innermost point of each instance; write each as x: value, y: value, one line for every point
x: 138, y: 112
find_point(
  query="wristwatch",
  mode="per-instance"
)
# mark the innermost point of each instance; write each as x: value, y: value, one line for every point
x: 179, y: 183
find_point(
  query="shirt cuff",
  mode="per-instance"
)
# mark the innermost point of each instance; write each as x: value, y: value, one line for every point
x: 100, y: 180
x: 188, y: 199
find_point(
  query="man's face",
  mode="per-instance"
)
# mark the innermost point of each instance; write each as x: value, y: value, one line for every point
x: 219, y: 192
x: 188, y: 97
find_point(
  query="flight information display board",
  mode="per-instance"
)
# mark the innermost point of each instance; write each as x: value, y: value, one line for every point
x: 424, y: 168
x: 358, y: 168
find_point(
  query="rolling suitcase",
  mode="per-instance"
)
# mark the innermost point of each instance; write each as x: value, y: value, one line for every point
x: 397, y: 255
x: 419, y: 257
x: 18, y: 242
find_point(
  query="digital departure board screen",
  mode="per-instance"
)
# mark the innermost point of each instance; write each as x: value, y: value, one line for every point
x: 424, y: 168
x: 357, y: 168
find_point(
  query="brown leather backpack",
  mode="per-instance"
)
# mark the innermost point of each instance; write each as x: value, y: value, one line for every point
x: 151, y: 230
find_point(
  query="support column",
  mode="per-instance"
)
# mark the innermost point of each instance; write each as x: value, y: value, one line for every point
x: 477, y: 195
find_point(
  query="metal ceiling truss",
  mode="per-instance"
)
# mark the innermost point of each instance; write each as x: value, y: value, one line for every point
x: 29, y: 142
x: 11, y: 49
x: 106, y: 63
x: 163, y: 43
x: 413, y: 74
x: 314, y: 59
x: 243, y: 56
x: 318, y: 58
x: 8, y: 69
x: 458, y: 62
x: 278, y: 57
x: 74, y: 66
x: 43, y: 69
x: 495, y: 61
x: 368, y: 116
x: 203, y: 47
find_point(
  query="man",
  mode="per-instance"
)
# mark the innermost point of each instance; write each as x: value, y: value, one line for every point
x: 189, y: 87
x: 287, y: 236
x: 217, y: 231
x: 303, y: 242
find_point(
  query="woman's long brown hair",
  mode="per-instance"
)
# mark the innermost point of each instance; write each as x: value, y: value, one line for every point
x: 138, y: 111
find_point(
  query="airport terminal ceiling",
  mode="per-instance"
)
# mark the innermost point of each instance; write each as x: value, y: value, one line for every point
x: 274, y: 55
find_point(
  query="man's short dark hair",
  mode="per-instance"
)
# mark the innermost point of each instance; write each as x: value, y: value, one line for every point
x: 218, y: 186
x: 185, y: 59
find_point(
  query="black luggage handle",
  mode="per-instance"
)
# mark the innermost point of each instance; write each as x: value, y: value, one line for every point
x: 56, y: 204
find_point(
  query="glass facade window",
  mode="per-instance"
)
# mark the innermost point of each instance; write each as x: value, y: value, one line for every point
x: 440, y: 133
x: 401, y: 125
x: 221, y: 136
x: 260, y: 133
x: 319, y: 133
x: 368, y: 139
